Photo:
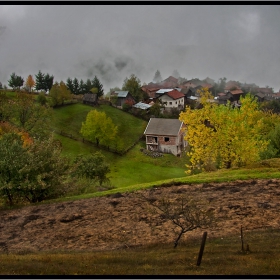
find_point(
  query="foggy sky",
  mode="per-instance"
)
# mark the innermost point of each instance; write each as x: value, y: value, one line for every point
x: 239, y: 42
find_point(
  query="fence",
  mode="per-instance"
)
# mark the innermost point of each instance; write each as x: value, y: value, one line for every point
x: 103, y: 147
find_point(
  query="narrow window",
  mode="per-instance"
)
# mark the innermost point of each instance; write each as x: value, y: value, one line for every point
x: 166, y: 139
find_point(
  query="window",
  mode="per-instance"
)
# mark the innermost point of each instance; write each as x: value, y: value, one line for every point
x: 170, y: 103
x: 166, y: 139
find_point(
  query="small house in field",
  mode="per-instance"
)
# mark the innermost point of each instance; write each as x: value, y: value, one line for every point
x: 122, y: 97
x: 90, y: 99
x: 165, y: 135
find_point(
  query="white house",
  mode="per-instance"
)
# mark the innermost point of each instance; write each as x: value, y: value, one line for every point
x: 173, y: 99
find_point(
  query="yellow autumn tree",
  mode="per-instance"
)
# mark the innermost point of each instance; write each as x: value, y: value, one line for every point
x: 223, y: 136
x: 30, y: 83
x: 99, y: 128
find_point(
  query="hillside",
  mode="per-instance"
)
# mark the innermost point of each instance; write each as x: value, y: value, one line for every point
x: 124, y: 221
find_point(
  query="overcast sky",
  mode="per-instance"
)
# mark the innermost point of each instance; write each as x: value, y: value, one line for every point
x: 239, y: 42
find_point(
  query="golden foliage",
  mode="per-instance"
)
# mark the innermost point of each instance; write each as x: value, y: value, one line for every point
x: 224, y: 136
x: 6, y: 127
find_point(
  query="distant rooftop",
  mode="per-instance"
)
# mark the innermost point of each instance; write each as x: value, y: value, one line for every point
x: 141, y: 105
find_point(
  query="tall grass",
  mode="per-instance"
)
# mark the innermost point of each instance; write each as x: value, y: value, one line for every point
x: 222, y: 256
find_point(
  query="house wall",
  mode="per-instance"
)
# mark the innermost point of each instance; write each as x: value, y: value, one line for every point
x: 171, y: 103
x: 166, y: 144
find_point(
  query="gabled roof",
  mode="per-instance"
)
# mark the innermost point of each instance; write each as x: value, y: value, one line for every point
x: 163, y: 90
x: 164, y: 127
x: 121, y: 93
x: 175, y: 94
x: 236, y: 91
x: 171, y: 79
x: 141, y: 105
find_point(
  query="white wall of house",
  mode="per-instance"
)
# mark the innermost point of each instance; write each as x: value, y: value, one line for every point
x: 171, y: 103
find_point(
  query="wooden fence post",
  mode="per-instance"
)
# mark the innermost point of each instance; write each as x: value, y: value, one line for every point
x: 242, y: 240
x: 201, y: 248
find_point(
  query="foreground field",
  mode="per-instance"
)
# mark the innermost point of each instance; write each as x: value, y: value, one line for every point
x: 79, y: 234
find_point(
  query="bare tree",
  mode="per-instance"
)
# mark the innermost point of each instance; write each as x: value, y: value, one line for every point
x: 185, y: 212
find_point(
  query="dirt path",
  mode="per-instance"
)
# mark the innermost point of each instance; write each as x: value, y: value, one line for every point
x: 123, y: 220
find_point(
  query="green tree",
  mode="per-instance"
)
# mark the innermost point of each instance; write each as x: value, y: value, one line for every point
x: 40, y: 78
x: 30, y: 116
x: 273, y: 149
x: 33, y: 172
x: 99, y: 128
x: 44, y: 81
x: 15, y: 81
x: 42, y: 99
x: 69, y: 84
x: 133, y: 85
x: 224, y: 136
x: 92, y: 166
x: 1, y: 87
x: 76, y: 86
x: 48, y: 82
x: 59, y: 94
x: 12, y: 159
x: 82, y: 87
x: 88, y: 86
x: 96, y: 83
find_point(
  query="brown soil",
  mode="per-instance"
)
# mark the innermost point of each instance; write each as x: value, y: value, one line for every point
x: 124, y: 220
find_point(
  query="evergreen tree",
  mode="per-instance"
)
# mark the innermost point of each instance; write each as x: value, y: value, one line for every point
x: 76, y: 86
x: 96, y: 83
x: 89, y: 85
x: 40, y: 78
x: 157, y: 77
x: 133, y: 85
x: 48, y: 82
x: 69, y: 84
x: 82, y: 87
x: 15, y: 81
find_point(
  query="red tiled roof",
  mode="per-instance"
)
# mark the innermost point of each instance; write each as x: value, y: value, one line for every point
x: 175, y: 94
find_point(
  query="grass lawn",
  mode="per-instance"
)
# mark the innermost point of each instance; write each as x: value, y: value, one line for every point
x: 222, y: 256
x: 69, y: 119
x: 132, y: 168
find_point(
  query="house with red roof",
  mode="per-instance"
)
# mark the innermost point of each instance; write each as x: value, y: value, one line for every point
x: 173, y: 99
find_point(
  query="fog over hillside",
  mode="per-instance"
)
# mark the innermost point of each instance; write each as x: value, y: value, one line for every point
x: 239, y: 42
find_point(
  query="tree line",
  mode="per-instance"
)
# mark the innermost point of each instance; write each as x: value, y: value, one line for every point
x: 45, y: 81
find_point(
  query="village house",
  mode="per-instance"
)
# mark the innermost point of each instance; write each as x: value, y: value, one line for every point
x: 122, y: 98
x: 173, y: 99
x: 165, y: 135
x: 90, y: 99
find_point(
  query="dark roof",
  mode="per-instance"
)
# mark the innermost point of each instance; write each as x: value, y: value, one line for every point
x: 162, y: 126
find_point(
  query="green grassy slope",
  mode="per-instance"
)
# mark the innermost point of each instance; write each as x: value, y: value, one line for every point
x: 69, y: 119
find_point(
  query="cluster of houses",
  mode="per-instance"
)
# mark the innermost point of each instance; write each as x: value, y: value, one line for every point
x: 166, y: 135
x: 173, y: 94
